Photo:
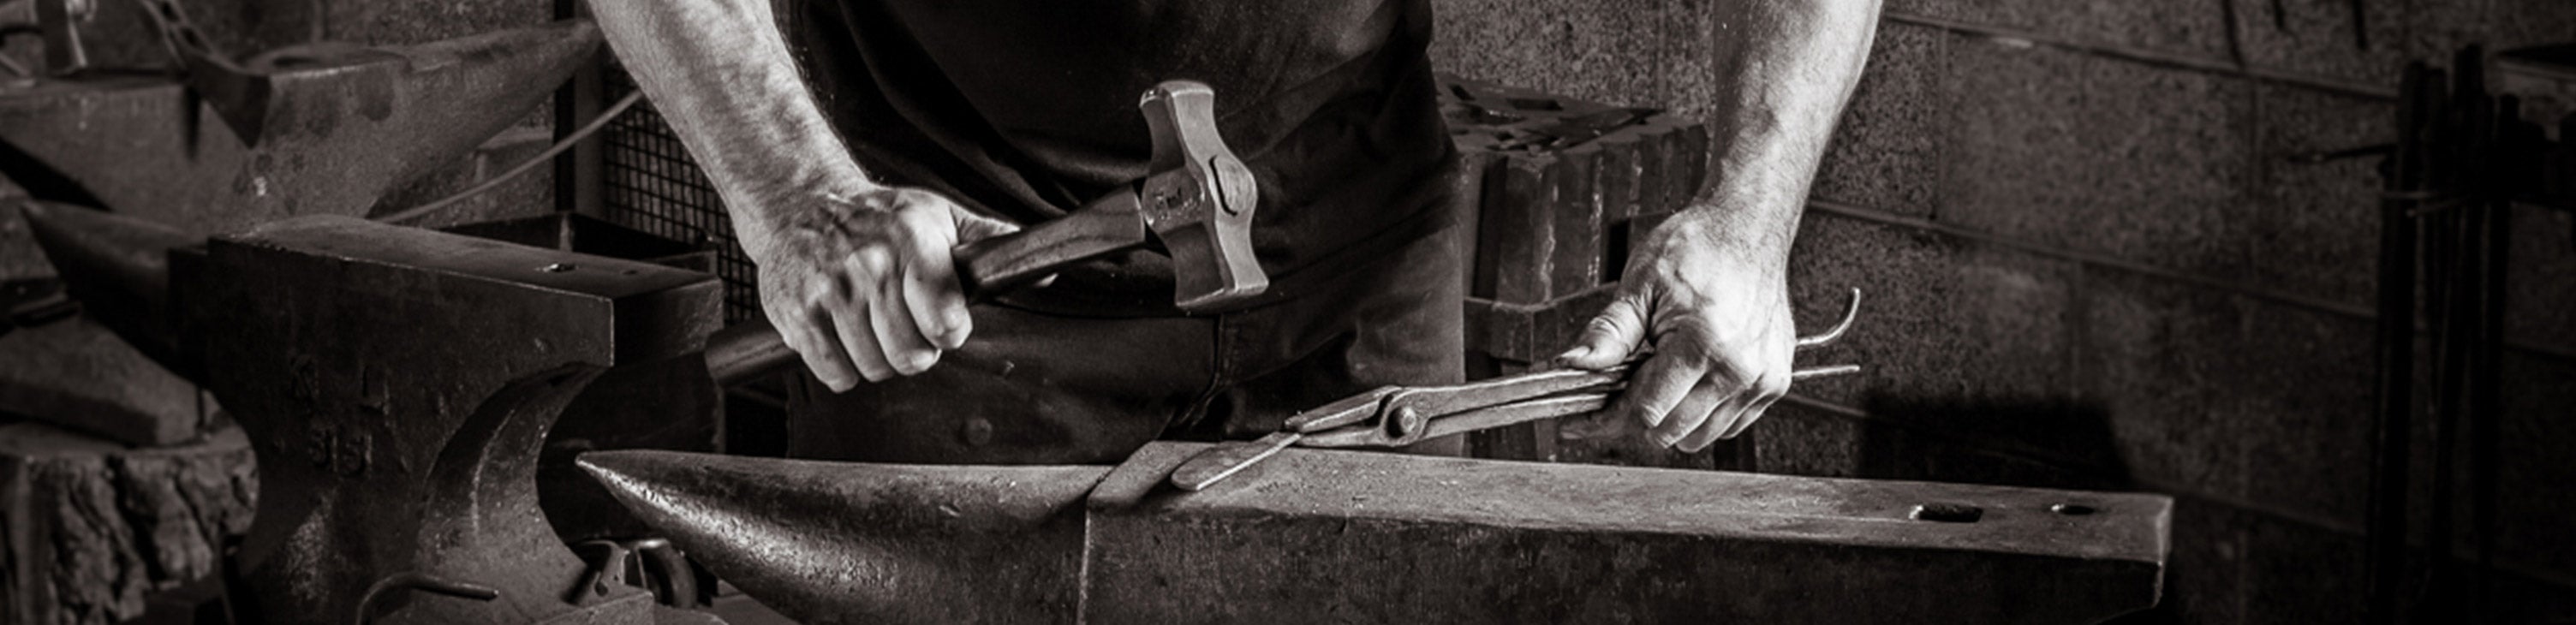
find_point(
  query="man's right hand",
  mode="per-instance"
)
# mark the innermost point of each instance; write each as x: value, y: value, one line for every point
x: 862, y: 285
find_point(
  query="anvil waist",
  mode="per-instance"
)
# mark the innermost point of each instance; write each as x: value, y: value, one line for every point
x: 1037, y: 388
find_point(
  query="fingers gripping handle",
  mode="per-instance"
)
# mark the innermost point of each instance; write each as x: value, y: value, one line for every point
x: 995, y: 265
x: 1201, y: 206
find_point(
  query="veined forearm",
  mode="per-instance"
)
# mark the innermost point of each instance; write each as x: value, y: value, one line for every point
x: 1795, y: 71
x: 720, y: 72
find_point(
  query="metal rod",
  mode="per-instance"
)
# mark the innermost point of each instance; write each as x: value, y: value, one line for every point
x: 2395, y: 347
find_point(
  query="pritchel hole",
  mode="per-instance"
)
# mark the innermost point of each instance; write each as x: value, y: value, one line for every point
x: 557, y: 267
x: 2071, y: 509
x: 1948, y: 513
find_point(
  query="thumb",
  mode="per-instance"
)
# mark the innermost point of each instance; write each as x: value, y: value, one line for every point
x: 973, y: 227
x: 1610, y: 337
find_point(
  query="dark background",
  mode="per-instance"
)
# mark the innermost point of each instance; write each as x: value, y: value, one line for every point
x: 2092, y: 257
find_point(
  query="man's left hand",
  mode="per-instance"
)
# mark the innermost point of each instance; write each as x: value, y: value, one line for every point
x: 1710, y: 298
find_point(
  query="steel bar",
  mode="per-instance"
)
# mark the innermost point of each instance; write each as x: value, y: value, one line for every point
x: 1339, y: 536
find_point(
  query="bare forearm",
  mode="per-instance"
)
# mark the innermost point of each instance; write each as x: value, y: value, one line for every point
x: 720, y: 72
x: 1790, y: 80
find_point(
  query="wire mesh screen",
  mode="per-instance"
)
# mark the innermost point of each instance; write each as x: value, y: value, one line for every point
x: 649, y: 183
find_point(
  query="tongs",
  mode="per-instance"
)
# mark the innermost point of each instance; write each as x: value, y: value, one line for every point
x: 1396, y: 416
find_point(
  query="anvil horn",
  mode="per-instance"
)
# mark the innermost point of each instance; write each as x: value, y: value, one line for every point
x: 118, y: 267
x: 832, y: 542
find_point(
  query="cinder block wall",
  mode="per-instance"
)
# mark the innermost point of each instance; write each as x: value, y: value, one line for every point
x: 2091, y: 263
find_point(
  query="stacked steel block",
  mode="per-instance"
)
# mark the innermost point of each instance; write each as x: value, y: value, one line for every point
x: 1557, y: 188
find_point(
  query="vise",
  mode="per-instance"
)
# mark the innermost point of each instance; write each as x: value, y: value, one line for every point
x: 398, y: 386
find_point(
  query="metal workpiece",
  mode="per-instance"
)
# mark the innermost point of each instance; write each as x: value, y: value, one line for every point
x: 359, y: 449
x: 1342, y: 536
x: 836, y: 542
x: 339, y: 126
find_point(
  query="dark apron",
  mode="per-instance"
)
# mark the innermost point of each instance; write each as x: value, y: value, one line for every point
x: 1023, y: 109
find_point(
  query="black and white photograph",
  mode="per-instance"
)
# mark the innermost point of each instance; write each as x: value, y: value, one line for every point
x: 771, y: 312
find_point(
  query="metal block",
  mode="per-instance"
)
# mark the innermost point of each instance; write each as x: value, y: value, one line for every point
x: 1570, y: 170
x: 362, y: 356
x: 1337, y: 536
x: 341, y: 126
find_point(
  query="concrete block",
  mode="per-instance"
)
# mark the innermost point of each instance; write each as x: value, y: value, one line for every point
x: 2317, y: 37
x: 2013, y: 160
x: 2026, y: 14
x: 1942, y: 320
x: 1884, y: 154
x: 386, y: 23
x: 2197, y: 28
x: 1798, y: 440
x: 2300, y: 573
x: 2176, y: 150
x: 2098, y: 154
x: 2231, y: 396
x: 1920, y: 453
x: 1607, y: 51
x: 2317, y: 231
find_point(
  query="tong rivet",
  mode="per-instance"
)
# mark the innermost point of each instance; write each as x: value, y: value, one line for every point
x: 1406, y: 421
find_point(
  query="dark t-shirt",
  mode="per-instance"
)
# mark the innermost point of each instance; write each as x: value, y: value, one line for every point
x: 1024, y: 109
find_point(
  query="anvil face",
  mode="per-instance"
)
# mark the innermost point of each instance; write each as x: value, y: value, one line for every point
x: 1334, y: 536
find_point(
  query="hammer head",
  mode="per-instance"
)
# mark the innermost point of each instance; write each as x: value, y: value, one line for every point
x: 1199, y: 202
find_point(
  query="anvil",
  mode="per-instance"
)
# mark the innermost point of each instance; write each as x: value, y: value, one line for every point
x: 340, y: 127
x: 1342, y: 536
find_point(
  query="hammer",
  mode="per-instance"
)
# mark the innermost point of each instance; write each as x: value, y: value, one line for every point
x: 1197, y: 205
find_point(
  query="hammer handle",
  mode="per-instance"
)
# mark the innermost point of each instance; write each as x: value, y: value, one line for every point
x: 985, y: 268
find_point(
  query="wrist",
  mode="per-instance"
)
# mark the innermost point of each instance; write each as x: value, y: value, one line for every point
x: 1748, y: 238
x: 768, y: 214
